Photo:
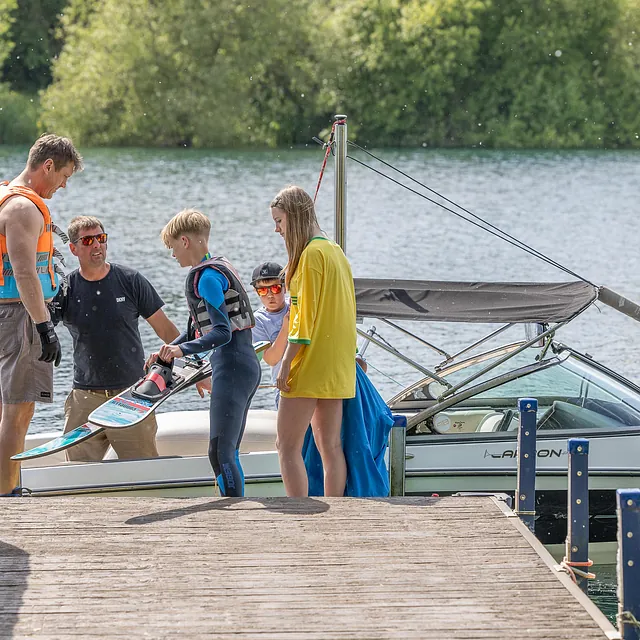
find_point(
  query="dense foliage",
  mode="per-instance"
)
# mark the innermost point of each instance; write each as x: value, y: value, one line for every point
x: 496, y: 73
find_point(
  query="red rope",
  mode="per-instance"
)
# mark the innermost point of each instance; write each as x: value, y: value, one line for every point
x: 326, y: 155
x: 572, y: 568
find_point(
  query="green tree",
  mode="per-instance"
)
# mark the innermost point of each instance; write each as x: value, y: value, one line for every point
x: 7, y: 17
x: 32, y: 29
x: 503, y: 73
x: 191, y: 72
x: 541, y: 74
x: 508, y: 73
x: 405, y: 63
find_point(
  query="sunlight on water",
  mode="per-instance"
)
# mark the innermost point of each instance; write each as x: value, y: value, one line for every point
x: 603, y: 590
x: 577, y: 207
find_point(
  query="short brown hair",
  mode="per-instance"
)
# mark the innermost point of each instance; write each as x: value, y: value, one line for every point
x: 187, y: 221
x: 80, y: 223
x: 60, y: 150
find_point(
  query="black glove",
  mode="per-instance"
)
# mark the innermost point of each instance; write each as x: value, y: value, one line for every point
x: 57, y: 307
x: 51, y: 351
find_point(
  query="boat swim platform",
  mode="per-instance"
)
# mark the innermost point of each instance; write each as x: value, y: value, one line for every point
x: 281, y: 568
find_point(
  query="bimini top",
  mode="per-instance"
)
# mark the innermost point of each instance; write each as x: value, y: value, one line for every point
x: 482, y: 302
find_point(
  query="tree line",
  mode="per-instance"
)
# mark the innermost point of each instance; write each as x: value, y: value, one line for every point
x: 224, y: 73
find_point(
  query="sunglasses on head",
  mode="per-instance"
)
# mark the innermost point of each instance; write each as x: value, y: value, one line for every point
x: 87, y: 241
x: 274, y: 288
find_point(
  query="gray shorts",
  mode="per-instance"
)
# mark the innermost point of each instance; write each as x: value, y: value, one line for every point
x: 23, y: 378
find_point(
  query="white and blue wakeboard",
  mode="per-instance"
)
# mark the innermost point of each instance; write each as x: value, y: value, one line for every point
x: 126, y: 410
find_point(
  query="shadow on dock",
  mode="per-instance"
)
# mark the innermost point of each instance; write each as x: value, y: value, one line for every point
x: 14, y: 575
x: 302, y: 506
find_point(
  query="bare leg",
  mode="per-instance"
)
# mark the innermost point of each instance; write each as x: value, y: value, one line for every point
x: 327, y: 424
x: 294, y: 416
x: 14, y: 424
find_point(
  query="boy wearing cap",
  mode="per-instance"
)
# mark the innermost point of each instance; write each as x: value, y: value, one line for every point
x: 272, y: 319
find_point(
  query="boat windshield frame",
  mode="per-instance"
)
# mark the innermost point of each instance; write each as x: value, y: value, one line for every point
x: 562, y: 355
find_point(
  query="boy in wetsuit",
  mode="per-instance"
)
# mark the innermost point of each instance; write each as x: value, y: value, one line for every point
x: 220, y: 319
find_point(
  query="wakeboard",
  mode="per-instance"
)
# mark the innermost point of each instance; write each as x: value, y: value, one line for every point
x: 69, y: 439
x: 134, y: 404
x: 130, y: 410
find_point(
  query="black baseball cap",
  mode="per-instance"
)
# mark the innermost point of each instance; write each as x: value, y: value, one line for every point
x: 266, y: 271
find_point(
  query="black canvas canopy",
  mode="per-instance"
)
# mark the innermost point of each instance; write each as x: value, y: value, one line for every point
x: 479, y: 302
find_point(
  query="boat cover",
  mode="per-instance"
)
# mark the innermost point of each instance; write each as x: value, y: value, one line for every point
x: 481, y: 302
x: 366, y: 422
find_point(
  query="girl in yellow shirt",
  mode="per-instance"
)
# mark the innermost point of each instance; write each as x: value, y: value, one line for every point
x: 318, y: 367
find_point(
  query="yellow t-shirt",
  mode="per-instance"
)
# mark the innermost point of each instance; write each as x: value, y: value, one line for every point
x: 323, y: 319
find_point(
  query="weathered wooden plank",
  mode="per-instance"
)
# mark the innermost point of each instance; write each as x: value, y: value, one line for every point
x: 276, y: 568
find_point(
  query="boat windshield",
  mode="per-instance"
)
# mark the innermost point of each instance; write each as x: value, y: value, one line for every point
x: 572, y: 394
x: 429, y: 389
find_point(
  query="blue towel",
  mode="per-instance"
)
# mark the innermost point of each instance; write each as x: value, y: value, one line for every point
x: 366, y: 422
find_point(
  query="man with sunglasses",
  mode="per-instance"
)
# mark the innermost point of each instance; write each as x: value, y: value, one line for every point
x: 101, y: 310
x: 272, y: 319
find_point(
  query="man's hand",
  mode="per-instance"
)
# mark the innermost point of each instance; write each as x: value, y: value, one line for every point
x: 169, y: 351
x: 204, y: 385
x: 56, y: 307
x: 51, y: 351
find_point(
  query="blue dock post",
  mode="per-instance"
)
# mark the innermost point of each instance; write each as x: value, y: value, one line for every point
x: 577, y: 543
x: 397, y: 455
x: 629, y: 563
x: 526, y: 484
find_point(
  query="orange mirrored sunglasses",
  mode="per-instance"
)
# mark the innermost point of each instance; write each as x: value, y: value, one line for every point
x: 87, y: 241
x: 274, y: 288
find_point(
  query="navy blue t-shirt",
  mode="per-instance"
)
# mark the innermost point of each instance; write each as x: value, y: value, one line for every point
x: 102, y: 318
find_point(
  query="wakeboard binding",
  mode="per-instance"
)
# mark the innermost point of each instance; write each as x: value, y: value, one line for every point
x: 157, y: 383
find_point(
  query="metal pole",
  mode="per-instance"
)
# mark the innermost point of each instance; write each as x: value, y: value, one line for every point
x: 418, y: 338
x: 577, y: 543
x: 493, y: 334
x: 366, y: 342
x: 397, y: 456
x: 402, y: 357
x: 497, y: 363
x: 628, y: 563
x: 526, y: 484
x: 341, y: 182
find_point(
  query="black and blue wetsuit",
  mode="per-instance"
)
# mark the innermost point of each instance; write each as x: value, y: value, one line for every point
x: 235, y: 375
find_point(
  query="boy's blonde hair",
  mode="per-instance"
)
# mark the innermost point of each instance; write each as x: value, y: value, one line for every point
x: 187, y: 222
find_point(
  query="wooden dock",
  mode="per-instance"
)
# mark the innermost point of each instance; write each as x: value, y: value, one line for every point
x: 275, y: 568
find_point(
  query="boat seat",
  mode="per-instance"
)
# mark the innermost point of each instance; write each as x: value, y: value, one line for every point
x: 503, y: 421
x: 461, y: 421
x: 490, y: 423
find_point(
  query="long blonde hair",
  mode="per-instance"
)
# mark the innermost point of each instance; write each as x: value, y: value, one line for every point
x: 301, y: 220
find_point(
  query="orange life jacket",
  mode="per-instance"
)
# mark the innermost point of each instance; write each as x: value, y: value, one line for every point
x: 44, y: 250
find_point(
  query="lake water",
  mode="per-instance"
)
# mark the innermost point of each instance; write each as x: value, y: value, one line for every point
x: 579, y: 208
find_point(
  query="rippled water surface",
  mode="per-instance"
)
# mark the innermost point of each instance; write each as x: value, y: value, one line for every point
x: 580, y: 208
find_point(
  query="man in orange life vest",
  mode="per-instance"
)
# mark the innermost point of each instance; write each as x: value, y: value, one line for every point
x: 28, y: 280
